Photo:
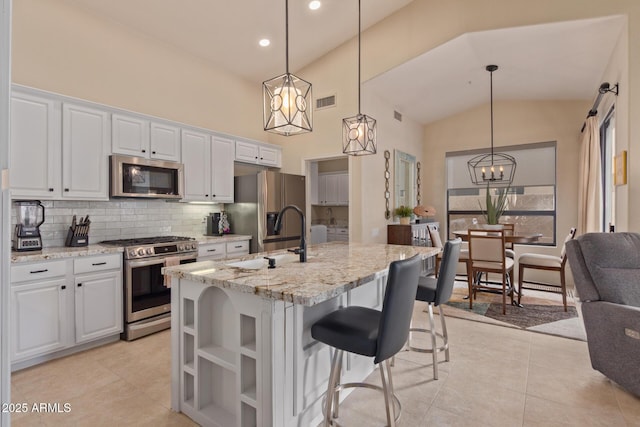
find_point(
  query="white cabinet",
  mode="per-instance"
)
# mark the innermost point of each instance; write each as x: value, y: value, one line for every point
x: 48, y: 315
x: 222, y: 250
x: 39, y: 318
x: 98, y: 305
x: 222, y: 155
x: 85, y: 142
x: 133, y: 136
x: 333, y: 189
x: 35, y: 147
x: 253, y: 152
x: 208, y: 167
x: 337, y: 234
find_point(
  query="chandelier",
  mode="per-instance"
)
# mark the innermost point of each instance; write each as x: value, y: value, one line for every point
x: 498, y: 168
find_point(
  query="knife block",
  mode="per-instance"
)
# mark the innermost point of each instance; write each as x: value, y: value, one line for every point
x: 74, y: 239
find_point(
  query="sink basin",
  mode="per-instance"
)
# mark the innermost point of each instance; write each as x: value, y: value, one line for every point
x: 258, y: 263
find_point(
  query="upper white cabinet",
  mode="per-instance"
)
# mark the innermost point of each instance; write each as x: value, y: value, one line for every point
x: 333, y: 189
x: 253, y: 152
x: 222, y: 155
x: 85, y: 148
x: 208, y: 167
x: 133, y: 136
x: 35, y: 147
x: 196, y: 157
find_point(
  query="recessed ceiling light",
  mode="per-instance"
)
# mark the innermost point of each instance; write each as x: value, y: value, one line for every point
x: 314, y: 5
x: 264, y: 42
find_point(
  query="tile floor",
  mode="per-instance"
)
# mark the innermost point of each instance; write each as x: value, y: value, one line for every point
x: 497, y: 376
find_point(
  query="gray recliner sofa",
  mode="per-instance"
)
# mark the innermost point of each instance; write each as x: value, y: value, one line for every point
x: 606, y: 271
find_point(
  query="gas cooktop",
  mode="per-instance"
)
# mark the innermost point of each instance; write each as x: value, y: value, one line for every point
x: 146, y: 247
x: 146, y: 241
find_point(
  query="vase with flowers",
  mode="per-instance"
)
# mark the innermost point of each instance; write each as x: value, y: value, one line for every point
x: 404, y: 213
x: 495, y: 206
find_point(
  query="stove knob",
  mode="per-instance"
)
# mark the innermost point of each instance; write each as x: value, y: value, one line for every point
x: 132, y: 253
x: 193, y: 246
x: 181, y: 247
x: 149, y: 251
x: 141, y: 252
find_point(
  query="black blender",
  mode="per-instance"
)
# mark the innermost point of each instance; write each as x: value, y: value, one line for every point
x: 29, y: 216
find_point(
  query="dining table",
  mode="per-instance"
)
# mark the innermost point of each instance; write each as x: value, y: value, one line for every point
x: 516, y: 237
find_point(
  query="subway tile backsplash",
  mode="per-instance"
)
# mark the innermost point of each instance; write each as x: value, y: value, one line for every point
x: 123, y: 219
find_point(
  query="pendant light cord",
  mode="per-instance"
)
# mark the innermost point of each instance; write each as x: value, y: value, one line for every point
x: 359, y: 32
x: 286, y: 35
x: 491, y: 89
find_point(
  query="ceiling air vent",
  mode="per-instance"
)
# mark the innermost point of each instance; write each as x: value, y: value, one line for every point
x: 397, y: 115
x: 326, y: 102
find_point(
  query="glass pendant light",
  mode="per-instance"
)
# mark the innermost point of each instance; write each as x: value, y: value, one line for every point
x: 359, y: 132
x: 498, y: 168
x: 287, y: 99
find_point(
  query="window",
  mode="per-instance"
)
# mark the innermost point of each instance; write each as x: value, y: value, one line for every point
x: 532, y: 195
x: 608, y: 148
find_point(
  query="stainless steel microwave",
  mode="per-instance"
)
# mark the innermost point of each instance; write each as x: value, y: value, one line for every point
x: 138, y: 177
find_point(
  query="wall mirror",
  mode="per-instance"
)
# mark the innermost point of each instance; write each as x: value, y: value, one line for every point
x: 404, y: 179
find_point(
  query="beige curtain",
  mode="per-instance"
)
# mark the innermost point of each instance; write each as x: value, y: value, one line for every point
x: 590, y: 182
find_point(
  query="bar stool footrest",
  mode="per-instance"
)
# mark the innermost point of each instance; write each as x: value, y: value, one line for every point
x: 442, y: 348
x: 396, y: 402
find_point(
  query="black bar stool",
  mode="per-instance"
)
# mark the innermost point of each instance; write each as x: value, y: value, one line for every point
x: 437, y: 292
x: 373, y: 333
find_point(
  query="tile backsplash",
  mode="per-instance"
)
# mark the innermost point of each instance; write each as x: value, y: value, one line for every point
x: 123, y: 219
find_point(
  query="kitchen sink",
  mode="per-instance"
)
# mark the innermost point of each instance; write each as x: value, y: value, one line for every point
x: 258, y: 263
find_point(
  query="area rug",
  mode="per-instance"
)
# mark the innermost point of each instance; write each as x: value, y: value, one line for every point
x: 541, y: 312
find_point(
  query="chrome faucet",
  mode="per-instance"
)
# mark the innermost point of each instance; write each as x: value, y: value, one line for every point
x: 302, y: 250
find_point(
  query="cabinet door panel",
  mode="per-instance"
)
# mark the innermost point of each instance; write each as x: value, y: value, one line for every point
x: 222, y: 156
x: 98, y: 306
x: 85, y: 138
x: 196, y: 156
x: 269, y: 156
x: 246, y: 152
x: 129, y: 135
x: 39, y: 318
x: 35, y: 147
x: 343, y: 189
x: 165, y: 142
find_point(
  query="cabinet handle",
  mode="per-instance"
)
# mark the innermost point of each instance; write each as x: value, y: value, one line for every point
x: 261, y: 158
x: 99, y: 263
x: 39, y: 271
x: 153, y: 152
x: 79, y: 284
x: 256, y: 157
x: 238, y: 247
x: 51, y: 189
x: 211, y: 250
x: 63, y: 287
x: 144, y: 151
x: 66, y: 189
x: 206, y: 195
x: 213, y: 195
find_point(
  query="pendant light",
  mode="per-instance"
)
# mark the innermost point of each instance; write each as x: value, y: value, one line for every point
x: 287, y: 99
x: 498, y: 168
x: 359, y: 132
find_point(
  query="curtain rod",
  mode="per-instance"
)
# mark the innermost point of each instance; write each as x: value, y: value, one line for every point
x: 604, y: 88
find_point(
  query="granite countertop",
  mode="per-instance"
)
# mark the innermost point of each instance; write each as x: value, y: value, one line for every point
x: 331, y: 269
x: 63, y: 252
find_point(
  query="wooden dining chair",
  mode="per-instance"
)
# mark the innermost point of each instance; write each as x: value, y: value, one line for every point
x: 509, y: 230
x: 487, y: 255
x: 548, y: 263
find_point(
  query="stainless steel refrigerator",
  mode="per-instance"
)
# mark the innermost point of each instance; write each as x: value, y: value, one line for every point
x: 258, y: 200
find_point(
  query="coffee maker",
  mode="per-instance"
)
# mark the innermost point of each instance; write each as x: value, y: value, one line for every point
x: 213, y: 224
x: 29, y: 216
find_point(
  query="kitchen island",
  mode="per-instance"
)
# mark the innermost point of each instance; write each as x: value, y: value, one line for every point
x: 242, y: 352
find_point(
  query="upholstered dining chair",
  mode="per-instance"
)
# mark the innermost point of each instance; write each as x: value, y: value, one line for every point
x: 373, y: 333
x: 557, y: 264
x: 436, y: 242
x: 487, y: 255
x: 436, y: 292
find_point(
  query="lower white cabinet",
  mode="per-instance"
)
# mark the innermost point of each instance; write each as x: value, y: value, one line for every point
x: 58, y: 304
x: 222, y: 250
x: 98, y: 305
x: 39, y: 318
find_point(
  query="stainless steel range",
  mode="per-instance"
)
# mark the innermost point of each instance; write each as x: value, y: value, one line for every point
x: 147, y: 300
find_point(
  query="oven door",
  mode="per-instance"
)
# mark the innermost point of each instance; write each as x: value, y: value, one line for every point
x: 145, y: 293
